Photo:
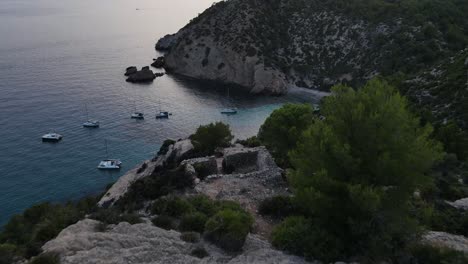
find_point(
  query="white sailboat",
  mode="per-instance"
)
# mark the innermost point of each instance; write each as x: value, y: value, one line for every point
x: 109, y: 164
x: 230, y: 110
x: 162, y: 114
x: 90, y: 123
x: 136, y: 114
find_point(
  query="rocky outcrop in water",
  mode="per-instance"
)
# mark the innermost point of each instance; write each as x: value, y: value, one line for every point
x: 131, y: 70
x: 143, y: 76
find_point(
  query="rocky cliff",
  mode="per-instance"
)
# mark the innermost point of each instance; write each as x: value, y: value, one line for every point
x: 268, y: 46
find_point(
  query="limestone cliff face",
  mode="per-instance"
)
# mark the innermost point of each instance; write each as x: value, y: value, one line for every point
x: 268, y: 46
x: 209, y: 60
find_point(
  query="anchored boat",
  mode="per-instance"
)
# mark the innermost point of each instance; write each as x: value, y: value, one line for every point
x: 230, y: 110
x: 109, y: 164
x: 52, y: 137
x: 138, y: 115
x: 90, y: 123
x: 162, y: 115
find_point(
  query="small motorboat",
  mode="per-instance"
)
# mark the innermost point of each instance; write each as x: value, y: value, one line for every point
x: 91, y: 124
x: 229, y: 111
x: 162, y: 115
x: 51, y: 137
x: 138, y: 115
x: 110, y: 164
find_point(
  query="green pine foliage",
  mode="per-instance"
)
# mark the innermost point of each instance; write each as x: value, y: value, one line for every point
x: 282, y: 129
x: 207, y: 138
x: 228, y: 229
x: 356, y: 170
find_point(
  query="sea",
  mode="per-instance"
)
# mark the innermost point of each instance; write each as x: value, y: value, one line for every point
x: 62, y: 61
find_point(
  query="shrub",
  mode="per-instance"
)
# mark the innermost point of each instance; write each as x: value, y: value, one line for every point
x: 7, y: 253
x: 228, y: 205
x: 277, y: 206
x: 164, y: 222
x: 282, y: 129
x: 193, y: 222
x: 203, y: 204
x: 171, y: 206
x: 199, y: 252
x: 228, y: 229
x: 190, y: 237
x: 207, y: 138
x: 106, y: 216
x: 111, y: 216
x: 301, y: 236
x: 46, y: 259
x: 160, y: 183
x: 250, y: 142
x: 142, y: 168
x: 131, y: 218
x: 165, y: 146
x: 202, y: 170
x: 29, y: 231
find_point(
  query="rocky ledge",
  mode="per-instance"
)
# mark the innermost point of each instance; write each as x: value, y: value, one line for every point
x: 84, y: 242
x: 245, y: 175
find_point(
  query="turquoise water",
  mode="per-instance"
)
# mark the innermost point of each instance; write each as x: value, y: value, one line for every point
x: 56, y: 56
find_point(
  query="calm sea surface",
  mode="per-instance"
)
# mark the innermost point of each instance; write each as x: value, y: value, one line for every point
x: 58, y: 56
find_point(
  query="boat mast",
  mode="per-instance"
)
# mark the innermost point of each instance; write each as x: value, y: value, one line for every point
x: 86, y: 109
x: 107, y: 153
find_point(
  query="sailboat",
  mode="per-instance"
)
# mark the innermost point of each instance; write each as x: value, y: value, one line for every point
x: 162, y: 114
x: 90, y: 123
x: 136, y: 114
x: 109, y: 164
x: 229, y: 111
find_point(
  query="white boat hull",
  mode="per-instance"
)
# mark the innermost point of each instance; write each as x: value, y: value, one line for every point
x: 110, y: 165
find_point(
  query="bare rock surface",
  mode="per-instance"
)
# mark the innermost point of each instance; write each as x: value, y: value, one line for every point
x: 145, y: 243
x: 460, y: 204
x: 442, y: 239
